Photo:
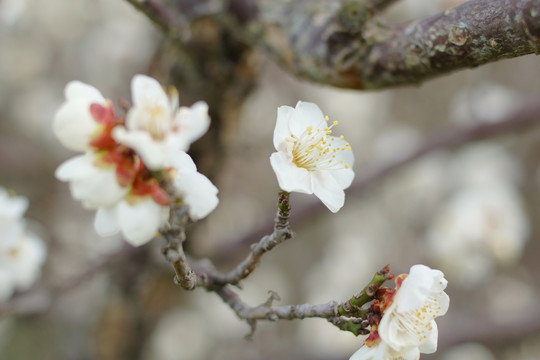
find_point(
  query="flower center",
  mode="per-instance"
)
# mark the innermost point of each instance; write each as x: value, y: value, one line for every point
x: 158, y: 123
x: 418, y: 322
x: 316, y: 149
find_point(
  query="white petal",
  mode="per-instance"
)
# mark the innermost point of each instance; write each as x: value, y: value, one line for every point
x: 281, y: 131
x: 290, y: 177
x: 192, y: 123
x: 412, y: 353
x: 12, y: 207
x: 72, y: 168
x: 391, y: 331
x: 145, y: 89
x: 105, y: 221
x: 7, y: 284
x: 430, y: 345
x: 377, y: 352
x: 328, y: 190
x: 93, y: 186
x: 344, y: 177
x: 181, y: 161
x: 76, y: 90
x: 73, y: 124
x: 155, y: 154
x: 197, y: 192
x: 139, y: 223
x: 364, y: 353
x: 422, y: 283
x: 306, y: 114
x: 347, y: 155
x: 26, y: 264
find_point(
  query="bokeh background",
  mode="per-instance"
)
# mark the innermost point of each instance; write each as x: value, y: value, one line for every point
x: 470, y: 211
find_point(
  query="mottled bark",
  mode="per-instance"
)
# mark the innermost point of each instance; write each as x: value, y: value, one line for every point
x: 341, y: 42
x: 328, y: 43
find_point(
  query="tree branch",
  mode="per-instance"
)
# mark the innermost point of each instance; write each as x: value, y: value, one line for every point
x: 282, y: 232
x: 324, y: 42
x: 337, y: 313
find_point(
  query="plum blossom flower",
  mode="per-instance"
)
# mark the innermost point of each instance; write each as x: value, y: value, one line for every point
x: 407, y: 327
x: 156, y: 126
x: 478, y: 229
x: 118, y: 173
x: 309, y: 159
x: 21, y: 253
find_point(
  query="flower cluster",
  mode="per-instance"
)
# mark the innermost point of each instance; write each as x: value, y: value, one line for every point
x: 405, y: 324
x: 125, y: 157
x: 309, y: 159
x: 21, y: 253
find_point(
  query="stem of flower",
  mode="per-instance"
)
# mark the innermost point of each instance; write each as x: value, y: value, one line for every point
x: 352, y: 307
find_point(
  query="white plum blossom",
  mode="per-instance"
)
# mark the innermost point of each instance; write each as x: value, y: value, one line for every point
x: 478, y: 229
x: 309, y: 159
x: 21, y: 253
x: 408, y: 327
x: 156, y: 126
x: 74, y: 123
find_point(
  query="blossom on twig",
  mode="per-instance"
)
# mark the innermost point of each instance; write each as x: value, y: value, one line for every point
x: 309, y: 159
x: 407, y: 327
x: 113, y: 175
x: 21, y: 253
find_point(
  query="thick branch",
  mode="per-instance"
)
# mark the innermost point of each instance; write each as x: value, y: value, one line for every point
x: 320, y: 43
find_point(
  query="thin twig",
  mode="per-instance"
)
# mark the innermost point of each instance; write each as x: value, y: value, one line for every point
x: 340, y: 314
x: 282, y: 232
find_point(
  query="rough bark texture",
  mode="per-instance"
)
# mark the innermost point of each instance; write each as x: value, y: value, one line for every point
x: 338, y: 42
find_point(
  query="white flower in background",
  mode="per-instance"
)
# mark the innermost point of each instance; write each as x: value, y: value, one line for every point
x: 477, y: 229
x: 155, y: 126
x: 21, y: 253
x: 484, y: 103
x: 11, y: 11
x: 485, y: 164
x: 12, y: 208
x: 83, y: 117
x: 309, y: 159
x: 91, y: 181
x: 408, y: 327
x: 194, y: 188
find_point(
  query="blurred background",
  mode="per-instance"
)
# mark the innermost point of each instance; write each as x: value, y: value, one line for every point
x: 470, y: 211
